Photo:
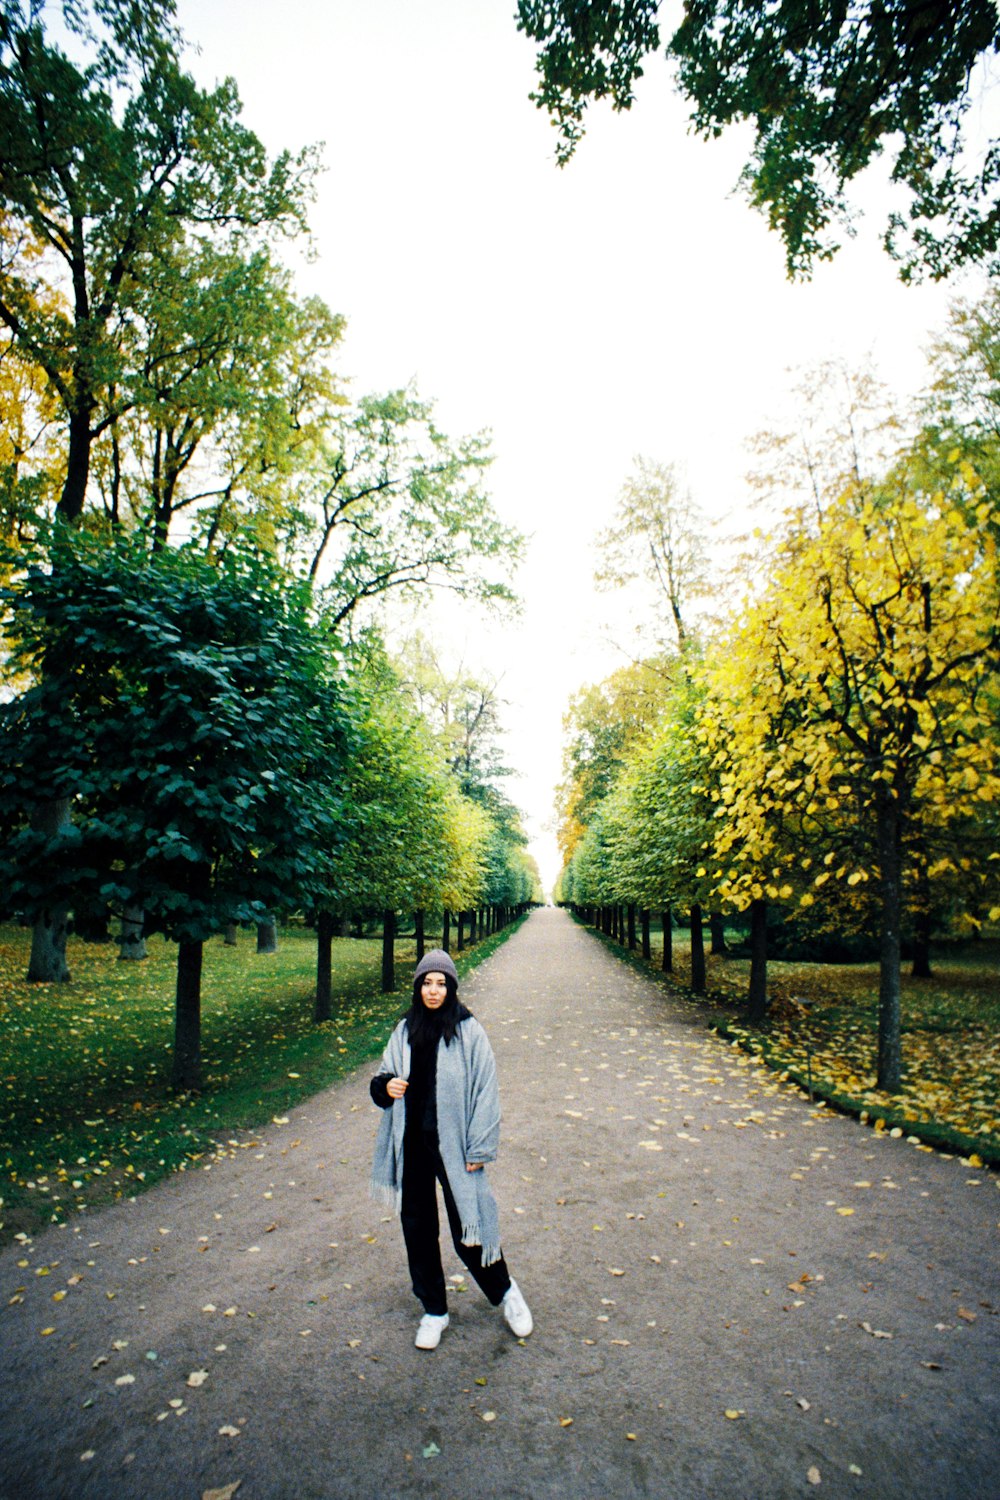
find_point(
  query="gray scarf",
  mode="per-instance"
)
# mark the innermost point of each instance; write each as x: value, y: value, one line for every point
x: 468, y: 1116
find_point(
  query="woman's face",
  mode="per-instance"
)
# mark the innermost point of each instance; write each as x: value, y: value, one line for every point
x: 433, y: 990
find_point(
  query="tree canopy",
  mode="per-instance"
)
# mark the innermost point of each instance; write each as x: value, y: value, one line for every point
x: 827, y: 90
x: 106, y: 166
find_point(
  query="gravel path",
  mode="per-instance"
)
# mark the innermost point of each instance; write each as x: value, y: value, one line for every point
x: 735, y: 1294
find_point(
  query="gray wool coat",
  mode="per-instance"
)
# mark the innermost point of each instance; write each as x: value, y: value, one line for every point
x: 468, y: 1116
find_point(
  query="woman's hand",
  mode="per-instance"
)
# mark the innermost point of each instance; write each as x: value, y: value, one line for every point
x: 396, y: 1088
x: 473, y: 1166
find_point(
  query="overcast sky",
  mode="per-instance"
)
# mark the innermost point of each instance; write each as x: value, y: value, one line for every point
x: 629, y: 303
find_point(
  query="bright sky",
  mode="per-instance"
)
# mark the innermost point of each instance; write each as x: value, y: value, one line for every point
x: 629, y: 303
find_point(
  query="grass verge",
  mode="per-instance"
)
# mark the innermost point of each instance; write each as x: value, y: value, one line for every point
x: 950, y: 1098
x: 87, y: 1114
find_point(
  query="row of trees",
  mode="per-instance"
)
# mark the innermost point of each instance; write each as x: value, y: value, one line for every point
x: 199, y: 723
x: 830, y: 751
x: 189, y: 752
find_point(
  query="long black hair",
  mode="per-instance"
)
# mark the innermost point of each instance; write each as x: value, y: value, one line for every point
x: 422, y: 1023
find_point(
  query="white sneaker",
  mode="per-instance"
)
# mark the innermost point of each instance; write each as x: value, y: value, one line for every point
x: 516, y: 1312
x: 432, y: 1325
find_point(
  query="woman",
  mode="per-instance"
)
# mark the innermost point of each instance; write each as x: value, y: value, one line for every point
x: 438, y: 1088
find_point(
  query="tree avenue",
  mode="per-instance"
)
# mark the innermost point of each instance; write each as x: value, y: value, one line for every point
x: 827, y: 89
x: 828, y: 760
x: 199, y: 727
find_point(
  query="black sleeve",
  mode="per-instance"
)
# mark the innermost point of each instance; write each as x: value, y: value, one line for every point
x: 379, y: 1090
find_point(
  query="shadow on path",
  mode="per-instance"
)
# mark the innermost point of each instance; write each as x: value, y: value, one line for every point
x: 736, y: 1294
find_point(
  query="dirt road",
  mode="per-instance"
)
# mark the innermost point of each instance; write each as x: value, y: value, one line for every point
x: 735, y: 1294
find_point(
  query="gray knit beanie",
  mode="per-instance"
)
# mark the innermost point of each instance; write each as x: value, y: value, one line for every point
x: 437, y: 961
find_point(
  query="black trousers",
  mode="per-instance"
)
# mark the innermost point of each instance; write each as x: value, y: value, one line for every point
x: 423, y: 1169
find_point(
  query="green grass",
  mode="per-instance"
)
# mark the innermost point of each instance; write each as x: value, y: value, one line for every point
x: 950, y: 1097
x: 86, y: 1109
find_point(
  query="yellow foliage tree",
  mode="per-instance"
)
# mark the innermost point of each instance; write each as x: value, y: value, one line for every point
x: 856, y: 702
x: 603, y: 722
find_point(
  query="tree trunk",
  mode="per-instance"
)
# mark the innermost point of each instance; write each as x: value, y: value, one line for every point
x: 446, y: 930
x: 47, y: 964
x: 267, y: 936
x: 418, y: 933
x: 716, y: 928
x: 229, y: 937
x: 697, y: 951
x: 644, y: 929
x: 890, y: 1054
x: 131, y: 941
x: 758, y: 963
x: 324, y: 965
x: 631, y: 927
x: 74, y: 490
x: 472, y: 928
x: 359, y: 926
x: 667, y: 928
x: 388, y: 952
x: 187, y: 1026
x: 460, y: 937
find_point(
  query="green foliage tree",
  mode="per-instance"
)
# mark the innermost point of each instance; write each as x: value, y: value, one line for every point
x: 226, y: 360
x: 828, y: 89
x: 384, y: 500
x: 660, y: 818
x: 108, y: 165
x: 961, y: 410
x: 462, y: 706
x: 187, y: 710
x: 601, y: 723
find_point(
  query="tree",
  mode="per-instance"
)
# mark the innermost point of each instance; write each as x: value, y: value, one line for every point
x: 852, y: 714
x: 602, y: 722
x: 828, y: 90
x: 659, y: 819
x: 657, y: 536
x: 386, y: 501
x: 187, y: 710
x: 108, y: 165
x: 223, y: 351
x: 411, y: 841
x: 31, y: 463
x: 461, y: 705
x: 961, y: 410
